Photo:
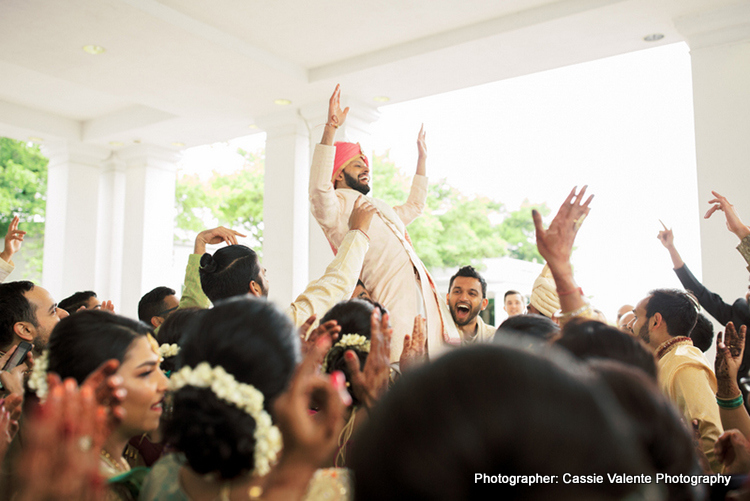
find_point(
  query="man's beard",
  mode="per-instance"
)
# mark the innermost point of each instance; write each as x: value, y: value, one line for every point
x: 473, y: 313
x: 644, y: 334
x: 354, y: 184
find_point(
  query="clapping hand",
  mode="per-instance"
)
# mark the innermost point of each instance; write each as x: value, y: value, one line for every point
x: 370, y: 383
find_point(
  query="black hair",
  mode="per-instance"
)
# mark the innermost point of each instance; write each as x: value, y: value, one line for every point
x: 152, y: 303
x: 173, y: 329
x: 449, y: 421
x: 703, y: 333
x: 676, y: 308
x: 591, y: 339
x: 72, y: 303
x: 354, y: 318
x: 657, y: 423
x: 229, y: 271
x: 80, y: 343
x: 257, y: 344
x: 510, y: 293
x: 14, y: 308
x: 531, y: 324
x: 470, y: 272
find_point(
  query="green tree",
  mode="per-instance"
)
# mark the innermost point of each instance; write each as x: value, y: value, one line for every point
x: 233, y: 200
x: 23, y: 191
x: 456, y: 229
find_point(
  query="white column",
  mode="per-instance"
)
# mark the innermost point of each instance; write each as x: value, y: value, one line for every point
x: 720, y: 55
x: 285, y: 205
x: 147, y: 239
x: 72, y: 217
x: 110, y: 229
x: 356, y: 129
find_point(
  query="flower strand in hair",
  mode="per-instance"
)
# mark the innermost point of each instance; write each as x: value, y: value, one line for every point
x: 243, y: 396
x: 347, y: 341
x: 169, y: 350
x: 38, y: 377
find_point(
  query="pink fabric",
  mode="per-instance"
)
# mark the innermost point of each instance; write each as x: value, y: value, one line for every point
x: 345, y: 152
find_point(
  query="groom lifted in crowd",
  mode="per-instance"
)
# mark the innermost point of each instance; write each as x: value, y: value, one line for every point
x: 392, y: 272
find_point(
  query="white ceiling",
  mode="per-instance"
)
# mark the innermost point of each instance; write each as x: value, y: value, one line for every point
x: 197, y: 71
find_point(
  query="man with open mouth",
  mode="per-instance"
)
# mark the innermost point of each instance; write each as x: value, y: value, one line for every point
x: 467, y: 298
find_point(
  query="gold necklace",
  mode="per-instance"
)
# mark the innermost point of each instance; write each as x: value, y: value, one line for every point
x: 117, y: 465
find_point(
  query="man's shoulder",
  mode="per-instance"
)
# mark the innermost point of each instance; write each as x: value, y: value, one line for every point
x: 742, y: 309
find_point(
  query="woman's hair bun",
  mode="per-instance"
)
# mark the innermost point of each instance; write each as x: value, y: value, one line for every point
x: 208, y: 265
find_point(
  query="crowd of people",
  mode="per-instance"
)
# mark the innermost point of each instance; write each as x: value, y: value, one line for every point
x: 371, y: 384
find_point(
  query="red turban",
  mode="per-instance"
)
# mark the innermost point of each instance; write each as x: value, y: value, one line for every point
x: 345, y: 153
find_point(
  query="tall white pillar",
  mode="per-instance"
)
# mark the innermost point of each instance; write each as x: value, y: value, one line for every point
x: 148, y: 236
x: 111, y: 231
x: 72, y: 217
x: 285, y: 205
x: 356, y: 129
x: 720, y: 55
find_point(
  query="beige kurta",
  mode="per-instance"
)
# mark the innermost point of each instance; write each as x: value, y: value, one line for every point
x: 5, y: 270
x: 392, y: 272
x: 485, y: 333
x: 688, y: 381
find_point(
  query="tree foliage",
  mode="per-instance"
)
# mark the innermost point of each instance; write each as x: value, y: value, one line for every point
x: 23, y: 192
x: 454, y: 230
x: 232, y: 200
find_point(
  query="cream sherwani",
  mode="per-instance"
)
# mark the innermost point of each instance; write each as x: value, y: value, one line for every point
x: 5, y: 270
x: 484, y: 333
x: 392, y: 272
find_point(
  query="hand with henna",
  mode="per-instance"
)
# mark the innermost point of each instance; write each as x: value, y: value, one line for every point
x: 729, y: 349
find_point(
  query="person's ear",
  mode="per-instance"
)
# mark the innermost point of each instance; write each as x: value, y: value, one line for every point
x: 657, y: 320
x: 485, y: 302
x: 255, y: 289
x: 24, y: 330
x: 156, y: 321
x: 339, y: 178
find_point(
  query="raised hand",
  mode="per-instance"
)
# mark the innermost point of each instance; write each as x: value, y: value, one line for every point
x: 108, y: 306
x: 734, y: 223
x: 362, y: 214
x: 730, y: 346
x: 106, y: 386
x: 414, y: 352
x: 336, y: 117
x: 60, y: 459
x: 215, y: 236
x: 422, y: 142
x: 555, y: 244
x: 369, y: 384
x: 13, y: 240
x: 329, y: 330
x: 310, y: 438
x: 666, y: 237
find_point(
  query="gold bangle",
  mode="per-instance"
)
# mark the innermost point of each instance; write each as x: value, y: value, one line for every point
x: 332, y: 125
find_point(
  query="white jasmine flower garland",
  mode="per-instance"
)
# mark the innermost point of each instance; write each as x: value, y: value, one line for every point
x: 38, y: 376
x: 350, y: 340
x: 241, y: 395
x: 168, y: 350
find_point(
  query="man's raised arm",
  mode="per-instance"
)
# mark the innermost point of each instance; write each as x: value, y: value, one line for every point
x: 340, y: 278
x: 324, y: 204
x: 414, y: 205
x: 13, y: 241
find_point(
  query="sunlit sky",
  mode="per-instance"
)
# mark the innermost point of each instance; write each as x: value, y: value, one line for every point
x: 623, y: 125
